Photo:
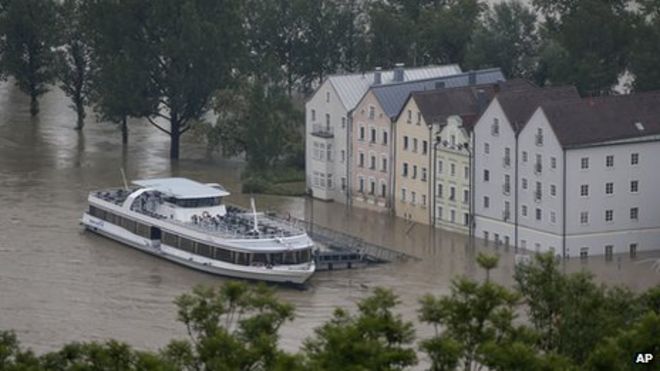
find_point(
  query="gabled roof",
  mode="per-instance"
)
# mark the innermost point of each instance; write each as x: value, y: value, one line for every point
x: 392, y: 97
x: 520, y: 104
x: 592, y: 120
x: 181, y: 188
x: 351, y: 87
x: 438, y: 104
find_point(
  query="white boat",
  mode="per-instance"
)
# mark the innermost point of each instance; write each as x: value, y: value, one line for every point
x: 187, y: 222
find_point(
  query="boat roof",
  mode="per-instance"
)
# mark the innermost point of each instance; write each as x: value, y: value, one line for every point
x: 182, y: 188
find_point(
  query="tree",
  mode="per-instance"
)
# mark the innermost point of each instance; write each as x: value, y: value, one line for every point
x: 373, y: 339
x: 29, y: 37
x: 506, y: 38
x: 646, y: 48
x: 190, y: 48
x: 111, y: 355
x: 487, y: 262
x: 73, y: 58
x: 12, y: 357
x: 234, y: 327
x: 259, y: 121
x: 391, y: 35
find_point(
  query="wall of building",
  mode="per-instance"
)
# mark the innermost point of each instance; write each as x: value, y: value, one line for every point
x: 326, y: 156
x: 413, y: 171
x: 489, y: 152
x: 452, y: 186
x: 368, y: 118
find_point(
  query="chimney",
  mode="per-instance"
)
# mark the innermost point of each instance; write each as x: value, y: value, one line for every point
x: 398, y: 72
x: 377, y: 76
x: 481, y: 101
x: 439, y: 84
x: 472, y: 78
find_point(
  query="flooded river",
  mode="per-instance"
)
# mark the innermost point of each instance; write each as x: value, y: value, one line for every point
x: 59, y: 284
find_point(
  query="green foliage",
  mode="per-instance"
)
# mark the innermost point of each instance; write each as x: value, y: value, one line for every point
x: 259, y: 121
x: 73, y: 58
x: 29, y: 37
x: 487, y: 262
x: 12, y: 358
x: 643, y: 61
x: 506, y: 38
x: 373, y: 339
x: 109, y: 356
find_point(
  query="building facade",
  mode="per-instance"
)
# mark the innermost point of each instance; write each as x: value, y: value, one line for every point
x: 327, y: 125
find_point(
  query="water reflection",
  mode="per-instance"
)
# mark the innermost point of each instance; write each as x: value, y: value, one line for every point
x: 59, y: 284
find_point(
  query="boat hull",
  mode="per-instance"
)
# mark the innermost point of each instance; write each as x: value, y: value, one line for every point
x: 295, y: 275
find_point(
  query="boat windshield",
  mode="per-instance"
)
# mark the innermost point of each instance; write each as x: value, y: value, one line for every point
x: 195, y: 202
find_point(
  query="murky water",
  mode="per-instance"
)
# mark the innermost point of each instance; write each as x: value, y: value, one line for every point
x: 59, y: 284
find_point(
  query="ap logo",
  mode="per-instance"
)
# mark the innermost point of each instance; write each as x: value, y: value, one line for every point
x: 645, y: 358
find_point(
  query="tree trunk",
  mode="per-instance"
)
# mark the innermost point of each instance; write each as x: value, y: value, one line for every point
x: 34, y: 105
x: 124, y: 131
x: 175, y: 134
x: 80, y: 110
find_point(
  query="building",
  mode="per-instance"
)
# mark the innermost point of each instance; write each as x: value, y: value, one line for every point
x: 327, y: 115
x: 497, y: 159
x: 443, y: 127
x: 587, y: 184
x: 371, y: 175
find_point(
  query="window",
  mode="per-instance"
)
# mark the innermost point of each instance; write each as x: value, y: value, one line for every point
x: 609, y: 215
x: 383, y: 189
x: 452, y: 215
x: 343, y: 183
x: 634, y: 158
x: 424, y: 200
x: 403, y: 195
x: 440, y: 167
x: 327, y: 97
x: 524, y: 210
x: 524, y: 183
x: 553, y: 217
x: 524, y: 156
x: 440, y: 190
x: 419, y: 118
x: 384, y: 137
x: 361, y: 162
x: 452, y: 169
x: 327, y: 120
x: 553, y: 190
x: 372, y: 186
x: 633, y: 250
x: 423, y: 174
x: 409, y: 116
x: 584, y: 217
x: 553, y: 162
x: 414, y: 145
x: 412, y: 197
x: 466, y: 219
x: 486, y: 148
x: 584, y: 252
x: 539, y: 213
x: 634, y: 186
x: 405, y: 169
x: 539, y: 137
x: 405, y: 142
x: 372, y: 164
x: 361, y: 185
x: 466, y: 196
x: 608, y: 251
x: 584, y: 163
x: 313, y: 115
x: 466, y: 172
x: 329, y: 152
x: 584, y: 190
x: 414, y: 174
x: 361, y: 132
x: 425, y: 146
x: 343, y: 122
x: 495, y: 128
x: 486, y: 176
x: 634, y: 213
x: 609, y: 188
x: 486, y: 236
x: 507, y: 157
x: 373, y: 135
x: 486, y: 202
x: 452, y: 193
x: 343, y: 155
x: 384, y: 164
x: 439, y: 213
x: 609, y: 161
x: 372, y: 112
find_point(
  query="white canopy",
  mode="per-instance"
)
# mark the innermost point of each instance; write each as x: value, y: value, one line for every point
x: 182, y: 188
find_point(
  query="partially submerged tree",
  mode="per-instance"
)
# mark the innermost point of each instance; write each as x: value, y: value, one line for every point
x: 29, y: 36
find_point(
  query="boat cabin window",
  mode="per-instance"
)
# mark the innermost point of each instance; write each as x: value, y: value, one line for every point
x: 195, y: 202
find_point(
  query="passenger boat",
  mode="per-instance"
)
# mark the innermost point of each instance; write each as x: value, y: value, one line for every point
x: 186, y: 222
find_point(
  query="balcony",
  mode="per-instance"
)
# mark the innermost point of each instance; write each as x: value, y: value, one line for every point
x: 323, y: 131
x: 506, y: 161
x: 506, y: 215
x: 506, y: 189
x: 538, y: 168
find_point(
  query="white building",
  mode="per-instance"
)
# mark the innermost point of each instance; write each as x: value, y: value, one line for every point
x: 586, y: 181
x: 327, y: 115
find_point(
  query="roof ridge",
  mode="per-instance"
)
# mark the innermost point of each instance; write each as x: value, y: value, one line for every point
x: 462, y: 74
x: 405, y: 69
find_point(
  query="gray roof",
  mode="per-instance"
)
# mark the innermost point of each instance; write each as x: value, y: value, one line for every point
x: 392, y: 97
x: 579, y: 122
x: 519, y: 104
x: 181, y: 188
x: 351, y: 87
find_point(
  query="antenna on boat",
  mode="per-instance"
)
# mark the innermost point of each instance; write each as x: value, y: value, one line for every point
x: 123, y: 176
x: 254, y: 214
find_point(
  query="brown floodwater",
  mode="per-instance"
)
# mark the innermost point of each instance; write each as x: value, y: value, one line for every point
x: 60, y: 284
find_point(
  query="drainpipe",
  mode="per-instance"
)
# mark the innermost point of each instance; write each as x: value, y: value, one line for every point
x: 391, y: 167
x: 471, y: 186
x: 431, y: 177
x: 349, y: 156
x: 515, y: 189
x: 563, y: 239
